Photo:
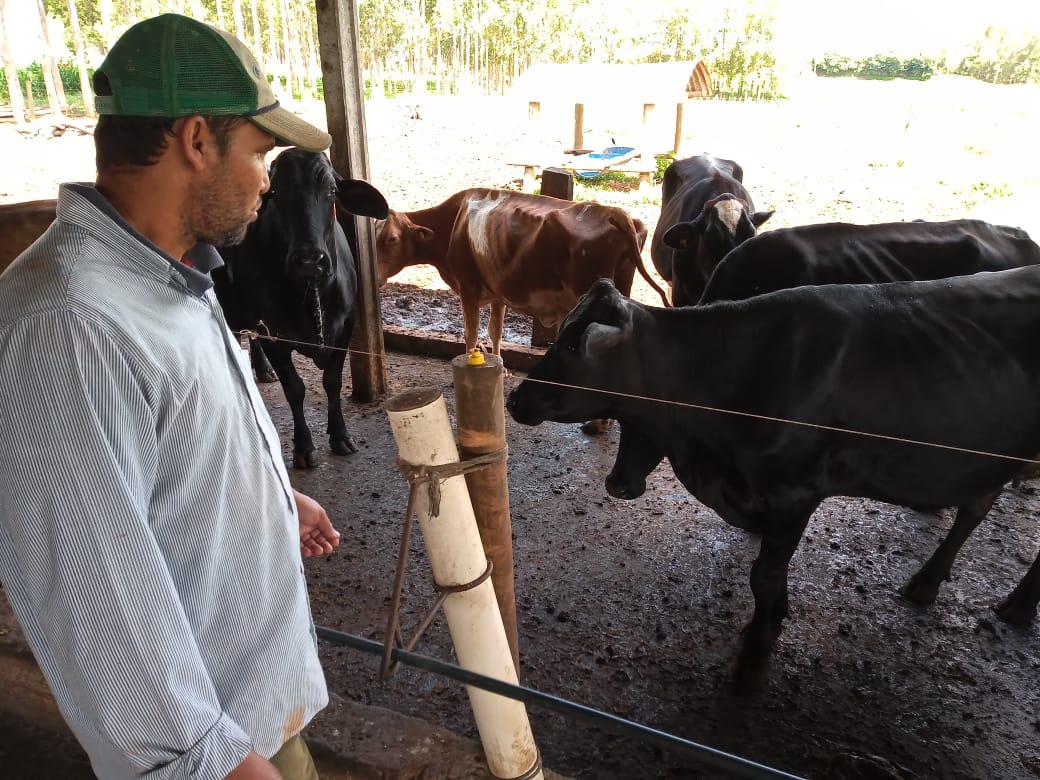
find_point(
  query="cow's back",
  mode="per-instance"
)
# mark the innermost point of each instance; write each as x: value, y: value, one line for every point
x: 536, y: 253
x: 20, y: 225
x: 839, y: 253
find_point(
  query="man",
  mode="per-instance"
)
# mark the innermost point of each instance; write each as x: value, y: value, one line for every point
x: 150, y: 540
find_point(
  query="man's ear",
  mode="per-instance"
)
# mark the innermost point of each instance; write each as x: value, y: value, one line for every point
x: 192, y: 136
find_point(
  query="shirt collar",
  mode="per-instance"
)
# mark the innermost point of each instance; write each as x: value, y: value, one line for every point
x: 204, y: 257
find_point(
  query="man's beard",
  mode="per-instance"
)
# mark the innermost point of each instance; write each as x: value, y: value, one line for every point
x: 215, y: 216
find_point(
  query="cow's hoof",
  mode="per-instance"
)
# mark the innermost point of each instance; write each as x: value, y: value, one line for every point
x: 344, y: 447
x: 595, y: 427
x: 266, y: 377
x: 303, y: 460
x: 920, y: 591
x: 1011, y: 611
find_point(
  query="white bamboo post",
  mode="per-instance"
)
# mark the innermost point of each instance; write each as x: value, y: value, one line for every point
x: 419, y: 420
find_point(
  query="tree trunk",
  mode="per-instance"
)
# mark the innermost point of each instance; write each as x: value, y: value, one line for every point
x: 81, y: 61
x: 14, y: 86
x: 236, y: 9
x: 50, y: 70
x: 272, y: 36
x: 105, y: 11
x: 220, y: 15
x: 258, y: 47
x: 287, y: 54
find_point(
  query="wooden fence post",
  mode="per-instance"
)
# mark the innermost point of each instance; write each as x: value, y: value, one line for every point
x: 557, y: 183
x: 534, y: 108
x: 579, y: 128
x: 677, y: 144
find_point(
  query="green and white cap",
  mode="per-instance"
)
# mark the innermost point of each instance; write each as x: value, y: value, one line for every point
x: 173, y: 66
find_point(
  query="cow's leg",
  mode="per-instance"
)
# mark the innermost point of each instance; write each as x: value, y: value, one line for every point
x: 332, y: 379
x: 923, y: 587
x: 636, y: 458
x: 261, y: 365
x: 292, y: 385
x: 1019, y: 608
x: 470, y: 321
x: 780, y: 536
x: 496, y: 325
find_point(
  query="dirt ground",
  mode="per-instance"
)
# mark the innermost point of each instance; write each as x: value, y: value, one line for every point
x: 635, y: 607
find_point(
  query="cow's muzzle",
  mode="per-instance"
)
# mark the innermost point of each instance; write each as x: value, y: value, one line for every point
x: 310, y: 264
x: 520, y: 411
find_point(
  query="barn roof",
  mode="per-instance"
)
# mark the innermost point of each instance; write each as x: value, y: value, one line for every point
x: 586, y: 82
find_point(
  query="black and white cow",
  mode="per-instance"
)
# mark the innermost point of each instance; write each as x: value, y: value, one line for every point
x: 840, y: 253
x: 953, y: 362
x: 705, y: 212
x: 295, y: 274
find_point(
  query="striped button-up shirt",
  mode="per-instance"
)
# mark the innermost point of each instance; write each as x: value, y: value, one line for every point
x: 149, y: 541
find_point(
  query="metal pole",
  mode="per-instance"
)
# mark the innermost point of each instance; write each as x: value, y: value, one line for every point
x: 480, y: 418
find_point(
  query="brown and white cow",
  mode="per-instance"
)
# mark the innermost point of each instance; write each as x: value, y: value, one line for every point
x: 535, y: 254
x: 20, y: 225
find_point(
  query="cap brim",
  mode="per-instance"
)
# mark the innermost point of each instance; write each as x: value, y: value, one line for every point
x: 289, y: 130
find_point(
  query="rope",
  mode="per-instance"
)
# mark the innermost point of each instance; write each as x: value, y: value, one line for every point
x: 702, y: 407
x: 434, y: 476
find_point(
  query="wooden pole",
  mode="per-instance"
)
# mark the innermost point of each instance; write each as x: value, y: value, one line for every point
x: 338, y: 36
x: 534, y: 108
x: 579, y: 127
x: 677, y: 143
x: 30, y: 104
x: 81, y: 62
x: 480, y: 413
x: 557, y: 183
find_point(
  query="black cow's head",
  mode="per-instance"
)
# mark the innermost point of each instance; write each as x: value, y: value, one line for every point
x: 300, y: 208
x: 589, y: 352
x: 699, y: 245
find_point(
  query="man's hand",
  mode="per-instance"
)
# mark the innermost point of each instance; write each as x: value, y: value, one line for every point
x: 317, y: 536
x: 254, y: 767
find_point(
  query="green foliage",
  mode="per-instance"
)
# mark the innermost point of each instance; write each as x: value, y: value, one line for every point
x: 878, y: 66
x: 998, y: 59
x: 34, y: 74
x: 738, y: 50
x: 663, y: 161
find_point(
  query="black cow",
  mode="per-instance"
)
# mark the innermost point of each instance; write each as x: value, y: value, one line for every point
x: 295, y: 274
x: 839, y: 253
x: 952, y: 362
x: 705, y: 212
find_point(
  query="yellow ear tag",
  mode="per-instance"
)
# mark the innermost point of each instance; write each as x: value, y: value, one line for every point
x: 476, y: 358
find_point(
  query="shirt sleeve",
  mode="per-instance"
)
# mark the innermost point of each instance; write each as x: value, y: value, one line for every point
x: 82, y: 569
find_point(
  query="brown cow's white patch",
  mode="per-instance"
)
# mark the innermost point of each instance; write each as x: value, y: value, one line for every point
x: 477, y: 223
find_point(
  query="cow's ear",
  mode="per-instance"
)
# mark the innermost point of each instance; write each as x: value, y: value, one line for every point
x: 420, y: 234
x: 360, y: 197
x: 759, y: 217
x: 600, y: 340
x: 682, y: 235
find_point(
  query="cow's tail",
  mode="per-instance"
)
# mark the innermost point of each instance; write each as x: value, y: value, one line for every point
x: 637, y: 230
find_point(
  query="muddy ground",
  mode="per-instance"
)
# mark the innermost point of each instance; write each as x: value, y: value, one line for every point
x: 635, y: 608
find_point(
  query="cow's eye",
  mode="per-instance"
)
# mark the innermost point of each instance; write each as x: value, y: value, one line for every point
x: 332, y: 193
x: 572, y: 348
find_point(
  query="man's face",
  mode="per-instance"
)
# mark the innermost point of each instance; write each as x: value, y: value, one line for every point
x: 229, y: 197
